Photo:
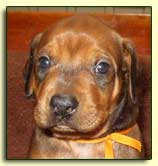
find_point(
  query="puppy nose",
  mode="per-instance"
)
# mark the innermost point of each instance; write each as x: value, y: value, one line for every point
x: 63, y: 105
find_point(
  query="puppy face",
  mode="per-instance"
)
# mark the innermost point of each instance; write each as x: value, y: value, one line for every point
x: 82, y: 74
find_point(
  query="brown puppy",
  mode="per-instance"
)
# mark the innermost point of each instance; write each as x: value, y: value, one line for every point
x: 83, y: 76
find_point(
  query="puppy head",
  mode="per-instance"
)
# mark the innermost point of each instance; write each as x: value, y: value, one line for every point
x: 83, y: 76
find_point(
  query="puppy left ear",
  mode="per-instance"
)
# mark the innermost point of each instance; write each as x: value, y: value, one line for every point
x: 28, y: 69
x: 130, y: 65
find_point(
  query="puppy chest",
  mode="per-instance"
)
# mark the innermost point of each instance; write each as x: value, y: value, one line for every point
x: 87, y: 150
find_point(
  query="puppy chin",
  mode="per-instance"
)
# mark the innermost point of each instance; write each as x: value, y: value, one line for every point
x: 70, y: 134
x: 63, y: 131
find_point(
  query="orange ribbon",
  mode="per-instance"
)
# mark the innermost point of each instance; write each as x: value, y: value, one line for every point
x: 116, y: 137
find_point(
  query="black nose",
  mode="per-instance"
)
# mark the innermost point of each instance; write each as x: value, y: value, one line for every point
x: 63, y: 105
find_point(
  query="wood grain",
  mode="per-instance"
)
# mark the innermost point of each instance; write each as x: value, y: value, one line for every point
x: 22, y: 26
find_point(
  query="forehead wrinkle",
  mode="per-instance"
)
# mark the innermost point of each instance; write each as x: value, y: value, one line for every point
x: 73, y: 34
x: 71, y: 45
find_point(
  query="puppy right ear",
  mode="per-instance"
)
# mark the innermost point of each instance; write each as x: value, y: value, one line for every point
x: 29, y: 67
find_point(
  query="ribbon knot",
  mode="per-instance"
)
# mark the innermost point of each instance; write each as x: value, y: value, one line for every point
x: 114, y: 137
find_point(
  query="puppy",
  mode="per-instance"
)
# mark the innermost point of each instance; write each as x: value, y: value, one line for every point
x: 82, y: 74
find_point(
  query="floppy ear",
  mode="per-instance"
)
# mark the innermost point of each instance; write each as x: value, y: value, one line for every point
x: 29, y: 67
x: 126, y: 111
x: 130, y: 62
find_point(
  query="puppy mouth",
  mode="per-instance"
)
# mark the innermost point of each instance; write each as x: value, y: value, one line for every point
x: 59, y: 130
x: 62, y: 129
x: 61, y: 124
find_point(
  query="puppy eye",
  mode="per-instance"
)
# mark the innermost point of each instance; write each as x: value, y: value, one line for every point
x: 102, y: 67
x: 44, y: 62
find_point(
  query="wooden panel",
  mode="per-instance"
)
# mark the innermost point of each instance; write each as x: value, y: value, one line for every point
x: 147, y: 10
x: 22, y: 26
x: 109, y: 10
x: 90, y: 9
x: 127, y: 10
x: 17, y: 8
x: 52, y: 9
